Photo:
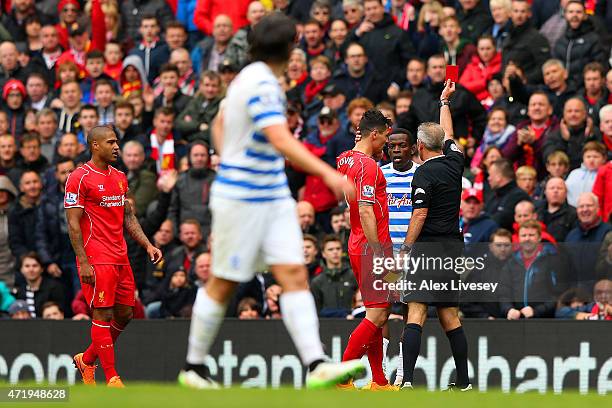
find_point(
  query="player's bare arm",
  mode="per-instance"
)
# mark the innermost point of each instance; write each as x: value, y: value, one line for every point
x: 446, y: 119
x: 280, y: 137
x: 132, y: 226
x: 368, y: 223
x: 73, y: 217
x: 217, y: 131
x: 416, y: 225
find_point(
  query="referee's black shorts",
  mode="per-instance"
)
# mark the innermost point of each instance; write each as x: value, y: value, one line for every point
x: 435, y: 279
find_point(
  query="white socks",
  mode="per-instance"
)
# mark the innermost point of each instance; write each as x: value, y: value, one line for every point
x: 300, y: 317
x: 400, y: 364
x: 205, y: 321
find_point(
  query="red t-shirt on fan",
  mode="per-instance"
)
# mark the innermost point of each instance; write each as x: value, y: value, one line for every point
x: 371, y: 187
x: 101, y: 195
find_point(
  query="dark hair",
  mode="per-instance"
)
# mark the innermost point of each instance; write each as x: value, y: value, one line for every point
x: 37, y: 75
x: 336, y: 211
x: 272, y: 39
x: 486, y: 37
x: 88, y: 107
x: 501, y: 232
x: 405, y: 132
x: 175, y: 24
x: 212, y: 75
x: 312, y: 21
x: 49, y: 304
x: 62, y: 160
x: 330, y: 238
x: 419, y: 60
x: 149, y: 16
x: 505, y: 168
x: 405, y: 94
x: 572, y: 295
x: 31, y: 254
x: 371, y: 120
x: 164, y: 110
x: 250, y: 303
x: 169, y: 67
x: 594, y: 66
x: 124, y: 105
x: 30, y: 137
x: 94, y: 54
x: 101, y: 82
x: 313, y: 239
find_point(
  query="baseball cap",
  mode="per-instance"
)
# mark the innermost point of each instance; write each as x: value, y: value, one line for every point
x: 327, y: 112
x: 18, y: 306
x: 76, y: 28
x: 331, y: 90
x: 472, y: 193
x: 227, y: 66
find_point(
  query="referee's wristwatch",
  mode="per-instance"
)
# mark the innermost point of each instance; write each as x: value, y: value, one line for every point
x: 444, y: 102
x: 405, y: 248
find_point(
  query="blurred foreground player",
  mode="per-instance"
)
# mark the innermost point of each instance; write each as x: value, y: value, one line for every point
x: 97, y: 211
x: 434, y: 233
x: 369, y: 239
x: 254, y: 215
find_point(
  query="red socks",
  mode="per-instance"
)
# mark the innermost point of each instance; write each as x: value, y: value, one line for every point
x: 102, y: 341
x: 90, y: 355
x: 375, y: 357
x: 360, y: 340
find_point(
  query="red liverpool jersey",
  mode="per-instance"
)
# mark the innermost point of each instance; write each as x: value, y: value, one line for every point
x: 371, y: 187
x: 101, y: 195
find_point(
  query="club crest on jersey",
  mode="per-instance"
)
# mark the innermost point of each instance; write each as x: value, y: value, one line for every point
x: 101, y: 187
x: 71, y: 198
x: 121, y: 186
x: 101, y: 296
x: 367, y: 191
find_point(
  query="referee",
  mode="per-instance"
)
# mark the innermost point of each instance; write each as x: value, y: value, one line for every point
x: 434, y: 233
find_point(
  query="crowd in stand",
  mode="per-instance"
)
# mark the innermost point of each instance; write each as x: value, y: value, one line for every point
x: 532, y: 112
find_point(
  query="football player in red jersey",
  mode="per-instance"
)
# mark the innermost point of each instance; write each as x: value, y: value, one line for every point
x: 97, y: 212
x: 369, y: 239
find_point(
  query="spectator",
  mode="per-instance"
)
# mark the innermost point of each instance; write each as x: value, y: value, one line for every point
x: 207, y: 12
x: 586, y: 239
x: 45, y: 60
x: 334, y: 49
x: 481, y: 70
x: 126, y: 130
x: 249, y: 309
x: 498, y: 252
x: 46, y: 124
x: 88, y: 119
x: 497, y: 133
x: 155, y: 274
x: 557, y: 88
x: 52, y: 311
x: 526, y: 180
x: 152, y: 51
x: 425, y: 36
x: 525, y: 211
x: 415, y: 78
x: 477, y: 226
x: 37, y: 288
x: 22, y: 215
x: 51, y: 233
x: 386, y: 45
x: 187, y: 77
x: 175, y: 35
x: 353, y: 12
x: 176, y: 298
x: 30, y: 158
x: 603, y: 268
x: 533, y: 277
x: 8, y: 149
x: 527, y: 145
x: 19, y: 310
x: 195, y: 120
x: 190, y: 236
x: 141, y: 181
x: 595, y: 95
x: 575, y: 304
x: 133, y: 77
x: 9, y: 63
x: 313, y: 43
x: 81, y: 43
x: 581, y: 43
x: 297, y: 73
x: 357, y: 77
x: 557, y: 165
x: 333, y: 289
x: 210, y: 52
x: 37, y: 92
x: 500, y: 12
x: 469, y: 117
x: 474, y: 18
x: 334, y: 99
x: 113, y: 56
x: 574, y: 131
x: 581, y: 180
x: 6, y: 299
x: 8, y: 193
x: 170, y: 94
x: 457, y: 50
x: 403, y: 102
x: 13, y: 94
x: 69, y: 107
x: 512, y: 95
x: 481, y: 173
x: 104, y: 92
x: 202, y: 269
x: 311, y: 252
x: 68, y: 146
x: 162, y: 140
x: 94, y: 70
x: 554, y: 211
x: 320, y: 74
x: 525, y: 46
x: 133, y: 12
x: 272, y: 308
x: 338, y: 145
x: 554, y: 27
x: 506, y: 194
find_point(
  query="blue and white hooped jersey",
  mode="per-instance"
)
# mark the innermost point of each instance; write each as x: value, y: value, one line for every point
x: 251, y: 169
x: 399, y: 190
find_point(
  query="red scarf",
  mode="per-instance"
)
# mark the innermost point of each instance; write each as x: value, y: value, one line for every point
x: 300, y: 80
x: 312, y: 89
x: 166, y: 150
x: 528, y: 150
x: 608, y: 142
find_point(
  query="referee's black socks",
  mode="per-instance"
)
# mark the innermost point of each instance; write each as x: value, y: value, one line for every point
x: 459, y: 348
x: 411, y: 345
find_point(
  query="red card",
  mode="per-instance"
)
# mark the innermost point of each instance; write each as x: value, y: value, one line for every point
x: 452, y: 73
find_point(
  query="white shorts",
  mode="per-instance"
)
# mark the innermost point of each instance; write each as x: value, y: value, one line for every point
x: 246, y: 237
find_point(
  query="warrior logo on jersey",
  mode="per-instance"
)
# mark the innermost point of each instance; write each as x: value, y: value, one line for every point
x: 367, y: 191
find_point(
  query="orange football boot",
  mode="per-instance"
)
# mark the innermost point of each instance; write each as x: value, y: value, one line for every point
x: 88, y: 372
x: 115, y: 382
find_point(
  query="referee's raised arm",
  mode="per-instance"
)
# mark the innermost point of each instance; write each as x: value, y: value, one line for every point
x: 446, y: 119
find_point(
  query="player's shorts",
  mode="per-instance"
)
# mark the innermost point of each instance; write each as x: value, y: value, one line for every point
x: 247, y: 237
x: 114, y: 285
x: 373, y: 295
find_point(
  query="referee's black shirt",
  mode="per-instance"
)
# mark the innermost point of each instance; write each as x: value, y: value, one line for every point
x: 437, y: 186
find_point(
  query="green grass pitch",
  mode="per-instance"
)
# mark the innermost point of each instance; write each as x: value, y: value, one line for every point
x: 171, y: 396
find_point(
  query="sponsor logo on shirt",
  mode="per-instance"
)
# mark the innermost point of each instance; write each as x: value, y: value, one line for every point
x: 71, y: 198
x: 112, y: 201
x: 398, y: 201
x: 367, y: 191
